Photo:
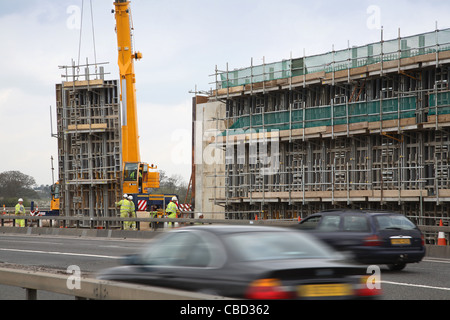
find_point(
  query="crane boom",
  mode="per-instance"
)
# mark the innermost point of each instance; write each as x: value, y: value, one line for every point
x: 137, y: 177
x: 130, y: 135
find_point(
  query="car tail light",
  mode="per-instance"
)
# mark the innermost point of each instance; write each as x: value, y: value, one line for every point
x: 366, y: 288
x: 372, y: 241
x: 265, y: 289
x: 423, y: 240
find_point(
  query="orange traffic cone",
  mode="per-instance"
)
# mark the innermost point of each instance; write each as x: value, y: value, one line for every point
x: 441, y: 237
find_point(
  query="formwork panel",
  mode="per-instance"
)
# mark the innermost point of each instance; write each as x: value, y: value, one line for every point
x: 89, y: 147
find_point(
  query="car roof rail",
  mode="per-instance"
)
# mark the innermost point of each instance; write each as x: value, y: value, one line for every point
x: 375, y: 211
x: 340, y: 210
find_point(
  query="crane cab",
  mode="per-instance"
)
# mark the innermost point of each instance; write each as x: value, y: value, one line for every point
x: 137, y: 178
x: 54, y: 204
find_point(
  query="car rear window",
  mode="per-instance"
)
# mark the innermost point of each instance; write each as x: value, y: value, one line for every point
x: 256, y: 246
x: 355, y: 223
x: 394, y: 222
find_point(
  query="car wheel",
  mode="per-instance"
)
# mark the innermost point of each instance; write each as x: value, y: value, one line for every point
x: 397, y: 266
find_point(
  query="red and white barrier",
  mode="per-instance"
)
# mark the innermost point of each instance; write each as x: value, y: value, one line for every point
x: 36, y: 213
x: 142, y: 205
x: 185, y: 207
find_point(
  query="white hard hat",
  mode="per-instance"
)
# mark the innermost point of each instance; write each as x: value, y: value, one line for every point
x: 130, y: 197
x: 125, y: 195
x: 174, y: 198
x: 20, y: 200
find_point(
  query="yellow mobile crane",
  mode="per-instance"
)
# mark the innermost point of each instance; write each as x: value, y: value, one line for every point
x: 137, y: 177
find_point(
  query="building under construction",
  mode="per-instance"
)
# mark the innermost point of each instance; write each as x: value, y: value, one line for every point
x: 364, y: 127
x: 89, y: 140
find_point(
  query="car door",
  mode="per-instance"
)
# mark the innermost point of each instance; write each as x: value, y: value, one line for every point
x: 184, y: 260
x: 156, y: 263
x: 355, y: 229
x: 329, y: 230
x: 310, y: 223
x: 343, y: 231
x: 324, y: 227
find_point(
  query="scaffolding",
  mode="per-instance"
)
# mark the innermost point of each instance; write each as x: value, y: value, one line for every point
x: 89, y: 144
x: 366, y: 127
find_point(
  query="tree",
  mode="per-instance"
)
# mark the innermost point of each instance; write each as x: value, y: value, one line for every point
x: 172, y: 185
x: 16, y: 184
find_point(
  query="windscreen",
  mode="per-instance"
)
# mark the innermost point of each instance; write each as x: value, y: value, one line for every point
x: 130, y: 171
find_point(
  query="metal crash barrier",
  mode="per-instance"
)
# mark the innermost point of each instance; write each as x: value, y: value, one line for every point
x: 105, y: 222
x: 111, y: 223
x: 87, y: 288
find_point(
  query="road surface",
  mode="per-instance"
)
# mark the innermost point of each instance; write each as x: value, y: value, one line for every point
x: 429, y: 279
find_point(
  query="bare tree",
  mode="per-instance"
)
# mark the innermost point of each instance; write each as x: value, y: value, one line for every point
x: 16, y: 184
x: 172, y: 185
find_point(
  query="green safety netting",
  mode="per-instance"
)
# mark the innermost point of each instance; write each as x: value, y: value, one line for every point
x: 340, y: 60
x: 387, y: 109
x: 443, y: 103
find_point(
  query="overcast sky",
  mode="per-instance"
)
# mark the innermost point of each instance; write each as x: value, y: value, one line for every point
x: 182, y: 42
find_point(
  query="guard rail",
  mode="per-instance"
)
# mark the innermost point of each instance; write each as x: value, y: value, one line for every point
x: 105, y: 222
x: 90, y: 288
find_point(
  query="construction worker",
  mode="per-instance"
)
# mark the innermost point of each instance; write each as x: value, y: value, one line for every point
x: 171, y: 210
x: 133, y: 174
x: 20, y: 210
x: 131, y: 213
x: 125, y: 207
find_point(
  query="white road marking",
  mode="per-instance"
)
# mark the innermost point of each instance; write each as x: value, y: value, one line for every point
x: 415, y: 285
x: 436, y: 260
x: 61, y: 253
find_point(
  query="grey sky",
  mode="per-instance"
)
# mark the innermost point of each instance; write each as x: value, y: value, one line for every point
x: 181, y: 41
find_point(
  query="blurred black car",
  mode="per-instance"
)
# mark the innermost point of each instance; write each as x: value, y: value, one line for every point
x: 371, y: 237
x: 251, y: 262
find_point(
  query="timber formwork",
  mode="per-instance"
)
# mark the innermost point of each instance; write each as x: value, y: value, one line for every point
x: 370, y: 131
x: 89, y: 144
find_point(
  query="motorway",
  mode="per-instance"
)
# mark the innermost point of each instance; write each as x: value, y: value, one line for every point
x: 427, y: 280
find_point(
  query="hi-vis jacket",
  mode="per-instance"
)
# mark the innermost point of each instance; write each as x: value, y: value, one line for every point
x: 126, y: 206
x: 20, y: 209
x: 171, y: 209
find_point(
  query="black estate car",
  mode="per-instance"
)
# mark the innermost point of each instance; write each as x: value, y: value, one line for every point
x: 370, y: 237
